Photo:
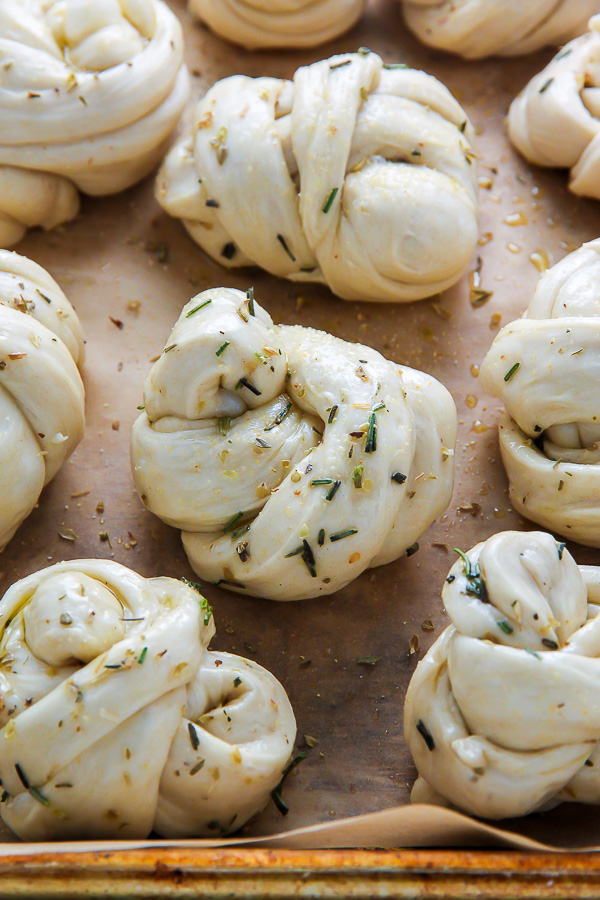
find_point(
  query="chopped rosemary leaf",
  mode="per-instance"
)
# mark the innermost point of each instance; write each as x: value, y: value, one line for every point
x: 262, y: 444
x: 43, y: 296
x: 332, y: 194
x: 250, y: 299
x: 194, y: 739
x: 462, y: 127
x: 339, y: 65
x: 398, y: 477
x: 142, y: 656
x: 279, y: 417
x: 308, y: 558
x: 243, y: 382
x: 560, y: 547
x: 395, y: 66
x: 321, y: 537
x: 357, y: 475
x: 294, y: 552
x: 223, y: 425
x: 333, y: 491
x: 37, y: 795
x: 412, y: 549
x: 276, y: 792
x: 197, y: 308
x: 21, y: 775
x: 371, y: 442
x: 425, y: 734
x: 232, y: 522
x: 197, y: 766
x: 512, y: 371
x: 316, y: 481
x: 237, y: 681
x: 363, y: 51
x: 222, y: 348
x: 228, y: 250
x: 332, y: 413
x: 340, y: 535
x: 283, y: 243
x: 379, y: 405
x: 506, y: 627
x: 532, y: 652
x: 470, y: 572
x: 549, y: 643
x: 169, y: 348
x: 204, y: 604
x: 545, y: 85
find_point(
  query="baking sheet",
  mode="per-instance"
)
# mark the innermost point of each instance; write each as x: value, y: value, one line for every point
x: 110, y: 257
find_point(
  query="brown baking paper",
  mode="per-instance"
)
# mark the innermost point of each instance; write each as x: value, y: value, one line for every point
x: 124, y: 250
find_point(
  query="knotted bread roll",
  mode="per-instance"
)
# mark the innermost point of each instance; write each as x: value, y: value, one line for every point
x: 355, y: 174
x: 89, y: 94
x: 555, y: 120
x: 278, y: 23
x: 41, y: 392
x: 117, y: 720
x: 291, y: 460
x: 545, y: 368
x: 478, y: 28
x: 502, y: 715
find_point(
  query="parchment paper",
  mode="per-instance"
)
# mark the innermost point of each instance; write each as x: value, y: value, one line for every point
x: 108, y: 261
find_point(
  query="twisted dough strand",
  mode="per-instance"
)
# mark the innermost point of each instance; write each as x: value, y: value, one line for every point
x: 41, y: 392
x: 81, y: 103
x: 115, y: 718
x: 523, y: 735
x: 291, y: 460
x: 356, y: 174
x: 278, y: 23
x: 555, y: 120
x: 478, y: 28
x: 549, y: 434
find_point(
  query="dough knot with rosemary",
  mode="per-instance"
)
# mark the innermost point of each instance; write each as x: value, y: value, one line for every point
x: 523, y: 734
x: 545, y: 368
x: 89, y: 94
x: 478, y: 28
x: 555, y: 120
x: 115, y: 718
x: 356, y: 174
x: 278, y: 23
x: 291, y: 460
x: 41, y: 392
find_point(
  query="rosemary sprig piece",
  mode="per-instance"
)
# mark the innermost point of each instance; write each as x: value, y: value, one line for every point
x: 276, y: 792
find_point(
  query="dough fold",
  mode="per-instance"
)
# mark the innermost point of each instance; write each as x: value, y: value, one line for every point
x: 115, y: 718
x: 555, y: 120
x: 89, y: 95
x: 545, y: 368
x: 523, y: 734
x: 355, y: 174
x: 478, y: 28
x: 291, y: 460
x: 257, y: 24
x: 41, y: 391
